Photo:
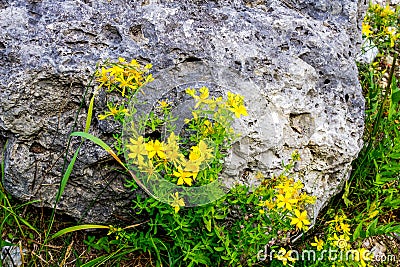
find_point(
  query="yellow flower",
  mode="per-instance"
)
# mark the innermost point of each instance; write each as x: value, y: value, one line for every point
x: 103, y: 79
x: 205, y: 152
x: 204, y: 94
x: 172, y: 139
x: 262, y: 211
x: 341, y: 242
x: 134, y: 63
x: 183, y: 177
x: 114, y: 111
x: 203, y: 97
x: 137, y: 149
x: 339, y: 219
x: 298, y: 185
x: 267, y: 203
x: 115, y: 70
x: 207, y: 128
x: 284, y: 256
x: 319, y: 243
x: 234, y: 99
x: 300, y: 220
x: 285, y: 201
x: 172, y: 154
x: 195, y: 154
x: 286, y: 186
x: 191, y: 92
x: 363, y: 255
x: 177, y: 202
x: 387, y: 11
x: 270, y: 205
x: 148, y: 168
x: 155, y: 148
x: 163, y: 104
x: 307, y: 199
x: 345, y: 227
x: 366, y: 29
x: 192, y: 167
x: 124, y: 83
x: 239, y: 110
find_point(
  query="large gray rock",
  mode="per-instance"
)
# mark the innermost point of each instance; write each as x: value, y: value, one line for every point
x: 299, y: 55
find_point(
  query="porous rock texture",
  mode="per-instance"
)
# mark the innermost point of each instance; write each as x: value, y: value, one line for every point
x: 298, y: 54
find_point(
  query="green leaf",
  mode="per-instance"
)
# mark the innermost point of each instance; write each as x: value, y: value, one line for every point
x: 371, y: 229
x: 396, y: 97
x: 94, y: 139
x: 207, y: 223
x: 90, y: 114
x: 19, y: 218
x: 100, y: 143
x: 4, y: 243
x: 358, y: 232
x: 67, y: 173
x: 219, y: 216
x: 78, y: 228
x: 219, y: 249
x: 95, y: 261
x: 346, y: 193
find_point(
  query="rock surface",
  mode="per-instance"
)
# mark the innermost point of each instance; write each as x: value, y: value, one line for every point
x: 298, y: 54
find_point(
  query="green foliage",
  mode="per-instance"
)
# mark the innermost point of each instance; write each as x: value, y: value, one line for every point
x: 372, y: 193
x: 233, y: 230
x: 229, y: 232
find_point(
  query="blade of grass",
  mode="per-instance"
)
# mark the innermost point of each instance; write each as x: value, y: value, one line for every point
x: 19, y: 218
x: 65, y: 158
x: 102, y: 259
x: 107, y: 148
x: 67, y: 174
x: 100, y: 143
x: 377, y: 120
x: 90, y: 114
x: 78, y: 228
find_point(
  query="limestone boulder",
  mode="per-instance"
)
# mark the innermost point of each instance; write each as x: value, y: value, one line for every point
x: 292, y: 60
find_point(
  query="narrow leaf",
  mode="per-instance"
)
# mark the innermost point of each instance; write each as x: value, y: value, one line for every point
x: 93, y: 138
x: 66, y: 175
x: 358, y: 232
x: 78, y: 228
x: 90, y: 114
x: 95, y: 261
x: 100, y: 143
x: 5, y: 243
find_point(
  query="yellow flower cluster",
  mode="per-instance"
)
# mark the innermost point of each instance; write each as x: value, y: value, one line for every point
x: 234, y: 103
x: 343, y: 229
x: 177, y: 202
x: 339, y: 239
x: 285, y: 256
x: 366, y: 29
x: 123, y: 76
x: 115, y: 111
x: 151, y: 155
x: 381, y: 22
x: 288, y: 197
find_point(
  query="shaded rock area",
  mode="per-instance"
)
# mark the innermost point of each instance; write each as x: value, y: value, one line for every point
x: 298, y: 54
